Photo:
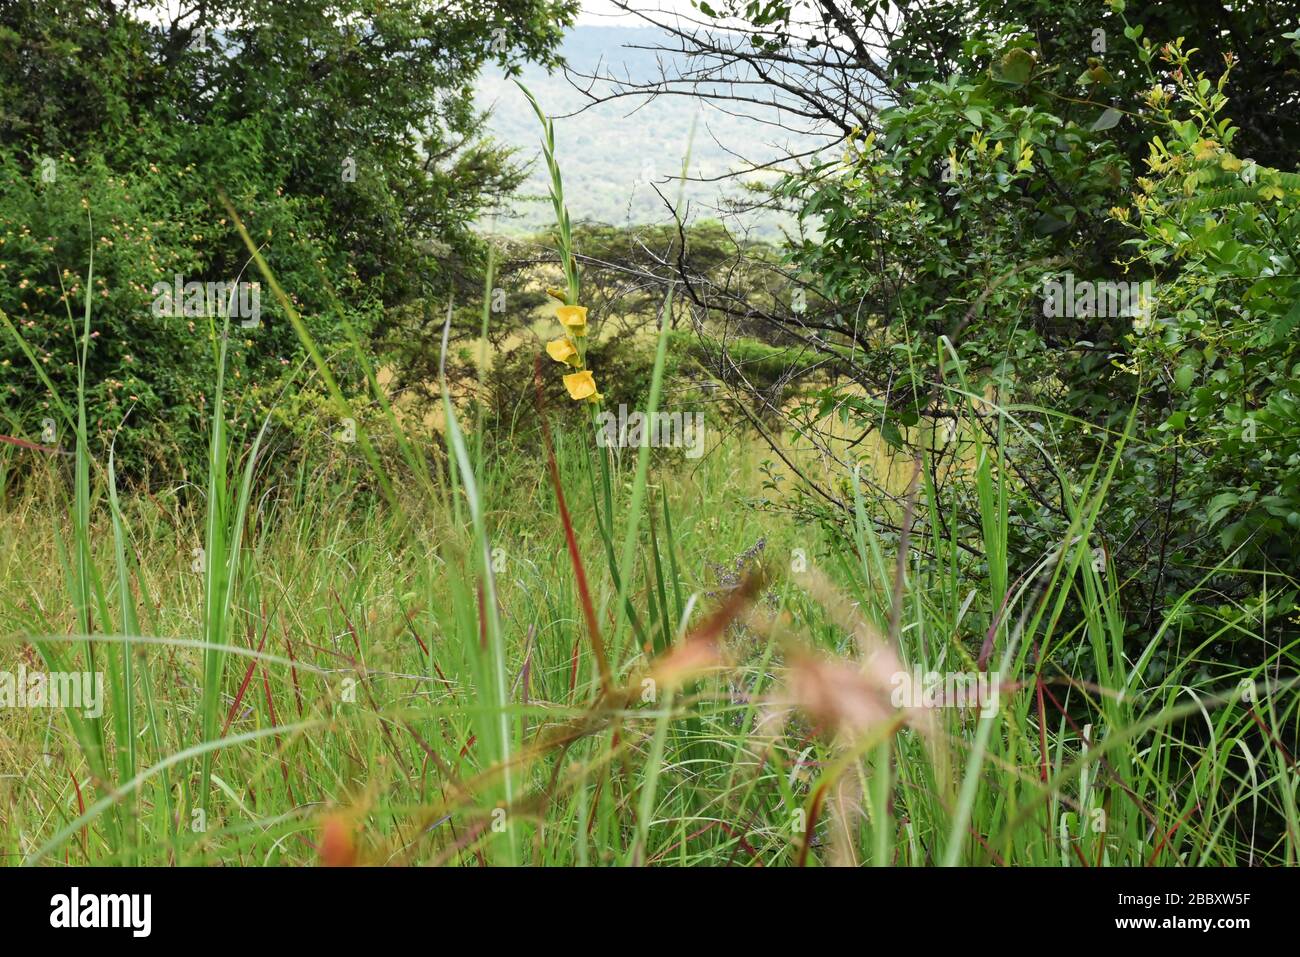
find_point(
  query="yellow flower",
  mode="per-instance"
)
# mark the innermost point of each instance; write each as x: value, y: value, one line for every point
x: 573, y: 318
x: 561, y: 350
x: 581, y: 385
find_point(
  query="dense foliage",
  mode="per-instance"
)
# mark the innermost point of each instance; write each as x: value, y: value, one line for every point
x: 344, y: 135
x: 1063, y: 202
x: 1030, y: 371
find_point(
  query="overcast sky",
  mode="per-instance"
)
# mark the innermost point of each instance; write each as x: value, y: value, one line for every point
x: 603, y: 12
x: 597, y: 13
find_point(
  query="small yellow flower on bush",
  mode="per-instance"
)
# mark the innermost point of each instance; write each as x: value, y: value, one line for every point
x: 561, y: 350
x: 581, y: 385
x: 573, y: 318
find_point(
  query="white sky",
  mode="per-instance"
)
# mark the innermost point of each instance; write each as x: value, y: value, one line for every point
x: 603, y: 13
x: 597, y: 13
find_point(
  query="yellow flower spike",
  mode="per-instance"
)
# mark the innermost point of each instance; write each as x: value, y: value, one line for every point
x: 573, y: 318
x: 561, y: 350
x: 581, y: 385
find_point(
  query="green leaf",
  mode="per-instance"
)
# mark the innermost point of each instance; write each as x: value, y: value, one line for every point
x: 1176, y: 422
x: 1219, y: 506
x: 1282, y: 327
x: 889, y: 431
x: 1017, y: 66
x: 1108, y: 119
x: 1048, y: 223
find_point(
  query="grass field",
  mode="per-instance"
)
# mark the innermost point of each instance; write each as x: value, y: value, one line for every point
x: 440, y: 649
x: 401, y: 667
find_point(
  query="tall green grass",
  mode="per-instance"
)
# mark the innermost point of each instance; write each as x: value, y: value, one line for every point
x: 411, y: 651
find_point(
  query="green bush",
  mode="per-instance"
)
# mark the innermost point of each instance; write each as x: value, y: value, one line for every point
x: 343, y: 133
x: 1220, y: 357
x: 945, y: 231
x: 148, y: 376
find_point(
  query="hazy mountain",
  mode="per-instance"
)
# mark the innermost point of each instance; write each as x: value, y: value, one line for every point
x: 611, y: 152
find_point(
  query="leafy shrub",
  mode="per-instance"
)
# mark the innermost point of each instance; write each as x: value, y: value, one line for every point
x: 1220, y: 359
x: 945, y: 231
x: 344, y: 134
x: 148, y: 376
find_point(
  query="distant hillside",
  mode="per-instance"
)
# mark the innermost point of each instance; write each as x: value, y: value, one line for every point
x: 609, y: 153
